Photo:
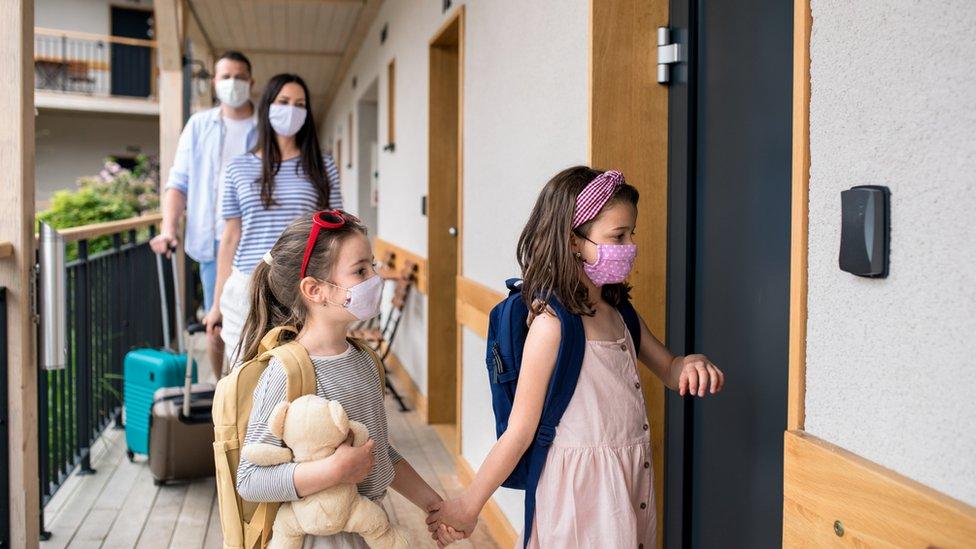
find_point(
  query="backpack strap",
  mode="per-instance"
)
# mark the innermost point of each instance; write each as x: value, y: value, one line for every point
x: 569, y: 362
x: 299, y: 381
x: 272, y: 339
x: 632, y: 321
x: 299, y: 372
x: 377, y: 361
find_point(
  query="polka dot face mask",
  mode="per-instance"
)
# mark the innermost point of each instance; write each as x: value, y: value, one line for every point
x: 613, y: 263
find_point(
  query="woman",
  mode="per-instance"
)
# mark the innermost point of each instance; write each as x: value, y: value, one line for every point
x: 286, y: 176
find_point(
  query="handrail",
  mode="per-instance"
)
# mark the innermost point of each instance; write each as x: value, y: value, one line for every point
x: 96, y: 37
x: 6, y: 249
x: 87, y: 232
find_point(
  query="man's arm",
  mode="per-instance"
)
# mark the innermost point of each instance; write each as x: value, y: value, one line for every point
x: 174, y: 204
x: 174, y: 195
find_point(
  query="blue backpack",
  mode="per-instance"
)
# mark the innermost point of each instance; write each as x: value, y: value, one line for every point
x: 507, y: 328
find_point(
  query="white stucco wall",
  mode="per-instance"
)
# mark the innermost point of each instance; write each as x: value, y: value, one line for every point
x: 890, y: 362
x: 75, y: 144
x: 525, y: 118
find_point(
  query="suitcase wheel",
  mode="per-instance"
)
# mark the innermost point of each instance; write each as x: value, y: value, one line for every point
x: 158, y: 482
x: 131, y: 455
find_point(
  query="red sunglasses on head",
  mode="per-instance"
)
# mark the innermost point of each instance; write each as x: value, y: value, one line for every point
x: 328, y: 220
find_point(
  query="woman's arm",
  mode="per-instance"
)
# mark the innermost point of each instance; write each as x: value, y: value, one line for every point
x: 691, y: 374
x: 229, y: 241
x: 538, y: 362
x: 335, y: 184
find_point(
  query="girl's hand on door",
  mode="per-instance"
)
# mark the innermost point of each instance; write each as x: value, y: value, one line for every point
x: 697, y: 375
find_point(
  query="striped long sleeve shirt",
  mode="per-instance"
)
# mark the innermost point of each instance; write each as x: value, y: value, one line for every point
x: 350, y: 378
x: 294, y: 196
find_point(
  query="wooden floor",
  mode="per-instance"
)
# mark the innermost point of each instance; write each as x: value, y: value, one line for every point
x: 120, y: 507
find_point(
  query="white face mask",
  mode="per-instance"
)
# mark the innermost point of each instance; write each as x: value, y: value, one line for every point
x: 363, y: 299
x: 286, y: 119
x: 233, y: 92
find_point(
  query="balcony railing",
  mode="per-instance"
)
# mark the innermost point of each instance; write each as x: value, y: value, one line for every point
x: 113, y: 305
x: 4, y: 439
x: 94, y: 64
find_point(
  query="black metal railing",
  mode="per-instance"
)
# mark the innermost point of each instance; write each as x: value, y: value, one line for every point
x: 113, y: 305
x: 93, y: 64
x: 4, y: 432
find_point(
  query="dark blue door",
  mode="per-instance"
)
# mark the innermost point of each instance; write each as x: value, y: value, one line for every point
x: 131, y: 65
x: 729, y: 258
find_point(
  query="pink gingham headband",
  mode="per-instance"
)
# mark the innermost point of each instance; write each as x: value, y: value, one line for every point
x: 595, y: 195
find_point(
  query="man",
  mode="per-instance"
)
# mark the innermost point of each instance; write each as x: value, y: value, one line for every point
x: 209, y: 141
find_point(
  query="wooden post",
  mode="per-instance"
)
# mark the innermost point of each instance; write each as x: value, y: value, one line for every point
x: 16, y: 271
x: 169, y: 23
x: 170, y: 119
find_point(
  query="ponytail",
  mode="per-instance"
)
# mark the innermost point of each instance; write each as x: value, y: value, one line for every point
x: 266, y: 313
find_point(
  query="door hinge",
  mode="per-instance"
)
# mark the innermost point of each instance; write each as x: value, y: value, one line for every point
x: 667, y: 54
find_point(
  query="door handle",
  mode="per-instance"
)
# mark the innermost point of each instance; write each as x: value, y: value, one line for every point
x: 452, y: 231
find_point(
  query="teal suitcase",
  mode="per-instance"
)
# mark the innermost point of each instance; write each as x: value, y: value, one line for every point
x: 146, y: 370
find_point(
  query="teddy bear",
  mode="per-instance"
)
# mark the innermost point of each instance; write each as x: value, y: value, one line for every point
x: 312, y: 428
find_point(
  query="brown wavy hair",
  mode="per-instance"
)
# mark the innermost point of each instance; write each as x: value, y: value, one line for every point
x: 275, y: 297
x: 545, y: 255
x: 307, y: 140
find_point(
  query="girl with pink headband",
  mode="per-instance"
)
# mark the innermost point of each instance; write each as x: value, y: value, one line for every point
x: 596, y: 485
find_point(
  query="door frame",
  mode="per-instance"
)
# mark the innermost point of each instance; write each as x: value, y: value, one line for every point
x: 628, y: 121
x: 681, y: 237
x: 445, y: 198
x: 681, y: 279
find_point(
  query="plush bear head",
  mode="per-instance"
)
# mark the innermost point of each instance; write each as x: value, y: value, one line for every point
x: 311, y: 426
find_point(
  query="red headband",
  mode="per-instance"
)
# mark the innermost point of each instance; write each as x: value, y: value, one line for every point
x: 320, y: 221
x: 595, y: 196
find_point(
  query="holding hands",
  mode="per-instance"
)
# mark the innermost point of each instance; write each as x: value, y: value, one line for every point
x: 450, y: 521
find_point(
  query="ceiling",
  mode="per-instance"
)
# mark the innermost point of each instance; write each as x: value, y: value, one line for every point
x: 316, y: 39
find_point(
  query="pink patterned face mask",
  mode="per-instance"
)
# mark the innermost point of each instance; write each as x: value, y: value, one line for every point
x: 613, y: 263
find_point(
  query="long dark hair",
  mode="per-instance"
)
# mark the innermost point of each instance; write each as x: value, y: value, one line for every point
x: 275, y: 296
x: 545, y: 254
x: 306, y: 138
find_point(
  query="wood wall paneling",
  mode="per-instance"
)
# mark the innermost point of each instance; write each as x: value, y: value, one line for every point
x: 629, y: 132
x: 876, y: 507
x: 400, y: 256
x: 474, y: 303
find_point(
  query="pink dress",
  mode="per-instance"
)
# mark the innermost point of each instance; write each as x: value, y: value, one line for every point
x: 597, y: 487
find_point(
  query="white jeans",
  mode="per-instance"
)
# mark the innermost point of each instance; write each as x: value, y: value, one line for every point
x: 235, y: 303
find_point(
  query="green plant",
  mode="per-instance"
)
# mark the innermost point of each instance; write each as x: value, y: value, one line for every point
x: 114, y: 194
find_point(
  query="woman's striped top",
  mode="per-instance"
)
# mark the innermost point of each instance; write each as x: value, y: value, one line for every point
x: 350, y: 378
x: 294, y: 196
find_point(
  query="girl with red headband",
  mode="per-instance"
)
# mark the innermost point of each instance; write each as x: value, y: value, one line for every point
x: 595, y: 488
x: 319, y: 277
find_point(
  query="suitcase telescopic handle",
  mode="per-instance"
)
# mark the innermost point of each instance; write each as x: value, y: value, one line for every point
x: 164, y: 304
x: 192, y: 329
x: 178, y: 299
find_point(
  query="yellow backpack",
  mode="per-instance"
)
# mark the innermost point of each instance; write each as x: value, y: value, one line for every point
x: 246, y: 524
